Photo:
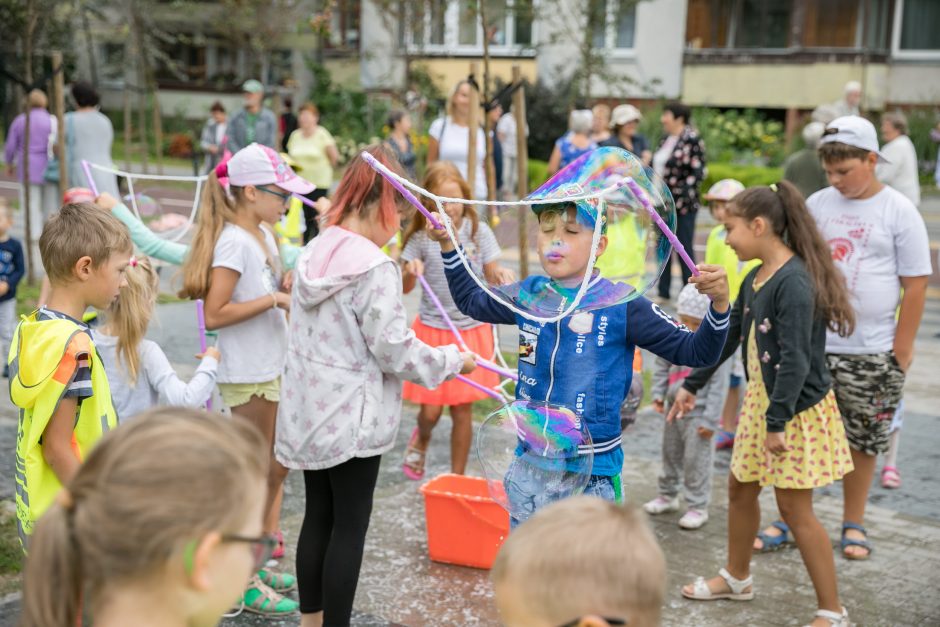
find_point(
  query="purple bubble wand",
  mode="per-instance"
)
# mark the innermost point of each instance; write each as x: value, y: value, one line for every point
x: 378, y: 167
x: 482, y: 388
x: 203, y: 342
x: 637, y: 191
x: 86, y: 166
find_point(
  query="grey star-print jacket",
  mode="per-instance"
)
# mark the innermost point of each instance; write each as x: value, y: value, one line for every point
x: 349, y: 349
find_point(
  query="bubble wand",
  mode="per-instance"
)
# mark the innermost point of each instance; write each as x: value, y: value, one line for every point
x: 203, y: 343
x: 640, y: 195
x: 86, y: 166
x: 482, y: 388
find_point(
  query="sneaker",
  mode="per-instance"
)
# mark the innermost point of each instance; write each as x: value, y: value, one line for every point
x: 260, y: 599
x: 277, y: 581
x: 278, y: 552
x: 693, y: 519
x: 662, y: 504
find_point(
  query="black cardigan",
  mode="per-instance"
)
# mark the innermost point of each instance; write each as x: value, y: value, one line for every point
x: 791, y: 342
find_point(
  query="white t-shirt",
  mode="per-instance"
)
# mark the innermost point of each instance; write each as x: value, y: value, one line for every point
x: 901, y: 173
x: 453, y: 147
x: 661, y: 156
x: 253, y: 351
x: 874, y: 242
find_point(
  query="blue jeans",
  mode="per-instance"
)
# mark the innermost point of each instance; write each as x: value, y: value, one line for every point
x: 528, y: 491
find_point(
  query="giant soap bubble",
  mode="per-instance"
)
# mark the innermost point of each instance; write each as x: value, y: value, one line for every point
x: 534, y: 453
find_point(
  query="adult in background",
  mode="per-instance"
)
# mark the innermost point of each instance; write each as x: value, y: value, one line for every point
x: 803, y: 168
x: 450, y: 134
x: 42, y: 133
x: 252, y: 123
x: 212, y: 139
x: 899, y: 168
x: 314, y: 149
x: 89, y: 135
x: 680, y: 161
x: 851, y: 98
x: 506, y: 132
x: 600, y: 131
x: 288, y: 122
x: 624, y: 121
x: 494, y: 111
x: 399, y: 141
x: 574, y: 143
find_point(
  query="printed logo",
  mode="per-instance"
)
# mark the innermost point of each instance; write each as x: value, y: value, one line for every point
x: 842, y: 249
x: 581, y: 323
x: 528, y: 343
x: 662, y: 314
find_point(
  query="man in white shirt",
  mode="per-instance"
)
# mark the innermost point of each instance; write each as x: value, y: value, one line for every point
x: 900, y: 172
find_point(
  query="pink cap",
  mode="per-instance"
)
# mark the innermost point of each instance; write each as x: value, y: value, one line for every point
x: 260, y: 165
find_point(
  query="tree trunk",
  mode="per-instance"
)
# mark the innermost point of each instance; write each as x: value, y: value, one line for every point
x: 24, y: 167
x: 58, y: 83
x: 489, y: 165
x: 472, y: 125
x: 522, y: 170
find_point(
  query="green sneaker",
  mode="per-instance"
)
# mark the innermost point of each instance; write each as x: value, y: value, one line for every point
x: 279, y: 582
x: 260, y: 599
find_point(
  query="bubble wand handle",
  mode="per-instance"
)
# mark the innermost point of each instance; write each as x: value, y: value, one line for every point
x: 86, y: 166
x: 482, y: 388
x: 305, y: 200
x: 483, y: 363
x: 203, y: 343
x: 637, y: 191
x: 378, y: 167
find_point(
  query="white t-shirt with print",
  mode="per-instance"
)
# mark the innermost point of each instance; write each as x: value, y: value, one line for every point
x: 453, y: 147
x: 874, y: 242
x: 253, y: 351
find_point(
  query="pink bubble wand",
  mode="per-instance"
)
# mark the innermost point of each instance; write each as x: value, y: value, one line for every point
x: 203, y: 342
x: 637, y: 191
x: 378, y: 167
x: 86, y: 166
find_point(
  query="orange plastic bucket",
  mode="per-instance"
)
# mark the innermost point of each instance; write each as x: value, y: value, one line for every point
x: 465, y: 526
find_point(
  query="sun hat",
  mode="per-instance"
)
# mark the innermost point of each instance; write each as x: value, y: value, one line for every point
x: 624, y: 114
x: 256, y: 164
x: 853, y: 130
x: 692, y: 303
x: 253, y: 86
x: 725, y: 189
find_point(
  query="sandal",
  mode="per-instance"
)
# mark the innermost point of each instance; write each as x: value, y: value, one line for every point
x: 774, y: 543
x: 415, y: 459
x: 724, y: 440
x: 279, y: 582
x: 847, y: 542
x: 278, y: 552
x: 701, y: 591
x: 262, y: 600
x: 890, y: 477
x: 835, y: 618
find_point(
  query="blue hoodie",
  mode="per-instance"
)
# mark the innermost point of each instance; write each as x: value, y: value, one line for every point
x: 585, y: 361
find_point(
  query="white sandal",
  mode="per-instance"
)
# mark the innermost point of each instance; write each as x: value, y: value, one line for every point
x: 701, y: 592
x: 834, y: 618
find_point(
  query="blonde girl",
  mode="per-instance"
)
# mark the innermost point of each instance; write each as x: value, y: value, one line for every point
x: 139, y: 372
x: 422, y: 257
x: 233, y: 265
x: 177, y: 551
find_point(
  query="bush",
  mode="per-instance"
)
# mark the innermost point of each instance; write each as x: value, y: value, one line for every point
x: 740, y: 137
x: 538, y: 173
x: 749, y: 175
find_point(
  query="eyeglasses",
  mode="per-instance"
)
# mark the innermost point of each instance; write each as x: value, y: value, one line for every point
x: 262, y: 547
x: 285, y: 197
x: 609, y: 621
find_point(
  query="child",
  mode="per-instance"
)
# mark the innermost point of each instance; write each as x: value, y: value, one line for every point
x: 56, y: 377
x: 790, y: 434
x: 11, y: 272
x: 583, y: 361
x: 139, y: 373
x: 719, y: 253
x: 422, y: 256
x: 178, y: 550
x: 348, y: 351
x: 687, y: 443
x: 234, y: 265
x: 611, y: 572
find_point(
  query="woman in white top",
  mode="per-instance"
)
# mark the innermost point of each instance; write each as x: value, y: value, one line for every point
x: 900, y: 169
x: 450, y: 138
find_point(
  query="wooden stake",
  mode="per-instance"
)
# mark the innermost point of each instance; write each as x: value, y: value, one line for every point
x: 58, y: 87
x: 522, y: 169
x: 24, y: 165
x: 473, y: 125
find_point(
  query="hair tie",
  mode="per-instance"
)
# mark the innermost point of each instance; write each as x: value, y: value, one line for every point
x: 221, y: 170
x: 65, y: 500
x: 773, y: 187
x: 133, y: 262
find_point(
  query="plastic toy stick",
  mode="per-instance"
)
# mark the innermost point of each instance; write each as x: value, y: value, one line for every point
x: 91, y: 180
x: 378, y: 167
x: 305, y: 200
x: 203, y: 343
x: 482, y: 388
x: 637, y: 191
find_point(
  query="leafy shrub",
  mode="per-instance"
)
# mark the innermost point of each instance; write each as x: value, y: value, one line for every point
x: 740, y: 137
x: 749, y: 175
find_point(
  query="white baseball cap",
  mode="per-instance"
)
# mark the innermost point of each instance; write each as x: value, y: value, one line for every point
x: 853, y: 130
x: 259, y: 165
x: 624, y: 114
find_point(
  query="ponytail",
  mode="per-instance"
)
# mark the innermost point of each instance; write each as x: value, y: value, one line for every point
x: 783, y: 207
x: 215, y: 209
x: 129, y: 315
x: 52, y: 585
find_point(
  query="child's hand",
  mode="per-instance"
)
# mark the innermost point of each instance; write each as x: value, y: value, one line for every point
x: 504, y: 276
x: 287, y: 283
x: 705, y: 433
x: 213, y: 352
x: 684, y: 403
x: 469, y: 363
x: 106, y: 201
x: 323, y: 205
x: 713, y: 281
x: 440, y: 235
x: 282, y: 300
x: 776, y: 443
x: 414, y: 267
x: 658, y: 406
x: 4, y: 288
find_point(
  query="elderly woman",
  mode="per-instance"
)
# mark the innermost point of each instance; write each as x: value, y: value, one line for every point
x: 449, y: 138
x: 314, y: 149
x: 574, y: 143
x: 600, y: 129
x: 624, y: 121
x: 42, y: 132
x: 900, y: 171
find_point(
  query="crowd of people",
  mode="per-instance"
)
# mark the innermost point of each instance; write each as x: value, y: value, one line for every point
x: 791, y: 347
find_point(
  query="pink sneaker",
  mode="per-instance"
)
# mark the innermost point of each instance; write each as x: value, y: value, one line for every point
x: 662, y: 504
x: 693, y: 519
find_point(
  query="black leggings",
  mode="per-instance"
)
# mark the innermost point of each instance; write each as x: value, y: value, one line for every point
x: 685, y: 232
x: 329, y: 550
x: 311, y: 217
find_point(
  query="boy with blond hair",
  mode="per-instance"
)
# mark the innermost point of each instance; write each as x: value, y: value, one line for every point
x: 56, y: 378
x: 611, y: 571
x: 11, y: 272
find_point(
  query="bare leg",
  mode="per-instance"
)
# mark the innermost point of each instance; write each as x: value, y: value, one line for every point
x: 855, y: 485
x: 263, y: 413
x: 894, y: 440
x: 729, y: 415
x: 428, y: 417
x: 796, y: 507
x: 312, y: 620
x: 460, y: 436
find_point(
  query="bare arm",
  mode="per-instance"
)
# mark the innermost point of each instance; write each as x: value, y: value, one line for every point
x: 57, y: 441
x: 554, y: 161
x: 222, y: 312
x: 332, y: 154
x: 433, y: 150
x: 909, y: 315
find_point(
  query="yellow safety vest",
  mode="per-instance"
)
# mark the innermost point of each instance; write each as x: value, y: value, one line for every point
x: 718, y: 252
x: 624, y: 260
x: 288, y: 229
x: 43, y: 359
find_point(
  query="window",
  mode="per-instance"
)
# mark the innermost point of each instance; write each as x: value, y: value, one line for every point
x: 111, y: 61
x: 612, y: 23
x: 344, y: 25
x: 708, y: 23
x: 446, y: 25
x: 832, y: 24
x: 763, y: 24
x: 918, y: 28
x: 182, y: 62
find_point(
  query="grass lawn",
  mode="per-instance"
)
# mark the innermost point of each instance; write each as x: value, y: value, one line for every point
x: 11, y: 555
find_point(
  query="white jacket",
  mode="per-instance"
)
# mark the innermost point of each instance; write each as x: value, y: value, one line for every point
x: 349, y: 348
